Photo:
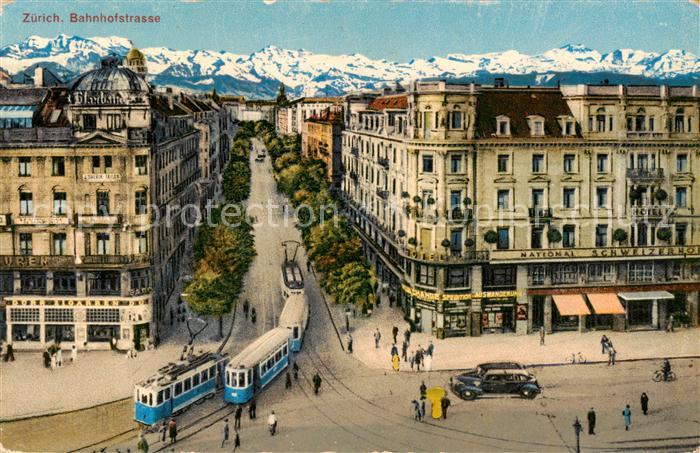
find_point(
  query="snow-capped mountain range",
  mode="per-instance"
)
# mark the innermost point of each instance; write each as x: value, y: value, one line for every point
x: 306, y: 73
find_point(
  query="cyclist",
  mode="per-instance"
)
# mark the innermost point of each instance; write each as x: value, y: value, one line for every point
x: 666, y: 369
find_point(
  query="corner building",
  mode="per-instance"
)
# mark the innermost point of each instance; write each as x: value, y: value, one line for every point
x: 497, y: 209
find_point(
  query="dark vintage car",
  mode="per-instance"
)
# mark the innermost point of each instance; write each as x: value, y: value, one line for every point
x: 496, y: 381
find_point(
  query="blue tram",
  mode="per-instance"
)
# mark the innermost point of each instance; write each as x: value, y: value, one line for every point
x: 292, y: 279
x: 257, y: 365
x: 177, y: 386
x: 295, y: 316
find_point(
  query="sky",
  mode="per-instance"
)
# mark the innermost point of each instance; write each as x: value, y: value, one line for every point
x: 394, y: 30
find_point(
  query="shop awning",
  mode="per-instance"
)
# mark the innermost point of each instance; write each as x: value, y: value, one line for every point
x: 571, y: 304
x: 606, y: 304
x: 646, y: 295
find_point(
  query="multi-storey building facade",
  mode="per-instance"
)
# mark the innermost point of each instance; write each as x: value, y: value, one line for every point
x: 321, y: 139
x: 495, y: 209
x: 97, y: 180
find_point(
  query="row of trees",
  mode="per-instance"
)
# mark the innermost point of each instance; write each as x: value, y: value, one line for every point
x: 331, y: 243
x: 224, y: 248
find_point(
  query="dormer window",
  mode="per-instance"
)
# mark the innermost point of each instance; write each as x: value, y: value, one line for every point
x: 536, y: 125
x: 567, y: 124
x: 503, y: 125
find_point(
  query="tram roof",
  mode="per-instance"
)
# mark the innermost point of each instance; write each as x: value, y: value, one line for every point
x: 260, y: 348
x: 293, y: 277
x: 171, y: 371
x: 294, y: 310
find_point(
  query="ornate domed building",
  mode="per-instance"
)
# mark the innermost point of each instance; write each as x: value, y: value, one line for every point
x: 136, y: 61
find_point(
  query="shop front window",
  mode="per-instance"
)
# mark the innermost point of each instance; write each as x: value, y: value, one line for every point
x: 59, y: 332
x: 99, y: 333
x: 26, y: 332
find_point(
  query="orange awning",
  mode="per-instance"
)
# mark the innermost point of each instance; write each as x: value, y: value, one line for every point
x: 571, y: 304
x: 606, y: 304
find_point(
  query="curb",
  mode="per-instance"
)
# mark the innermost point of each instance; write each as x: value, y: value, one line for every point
x: 328, y: 308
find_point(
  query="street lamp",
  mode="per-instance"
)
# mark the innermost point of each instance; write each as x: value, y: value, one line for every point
x: 577, y: 430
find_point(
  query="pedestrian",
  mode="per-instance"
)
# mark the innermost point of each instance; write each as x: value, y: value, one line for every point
x: 611, y: 355
x: 423, y: 390
x: 236, y: 442
x: 163, y: 430
x: 591, y: 422
x: 427, y: 362
x: 422, y: 410
x: 172, y: 431
x: 308, y: 265
x: 349, y: 344
x: 253, y: 315
x: 669, y: 326
x: 416, y: 410
x: 645, y: 403
x: 53, y: 361
x: 237, y: 418
x: 412, y: 360
x: 73, y: 353
x: 252, y: 408
x: 431, y: 348
x: 317, y: 383
x: 295, y: 368
x: 444, y: 404
x: 113, y: 343
x: 627, y: 416
x: 272, y: 422
x: 142, y: 445
x: 9, y: 353
x: 419, y: 358
x: 288, y: 381
x: 394, y: 333
x: 59, y: 357
x: 225, y: 433
x: 542, y: 334
x: 666, y: 369
x: 404, y: 351
x: 47, y: 359
x: 394, y: 350
x: 246, y: 307
x: 408, y: 336
x: 395, y: 362
x: 377, y: 337
x: 604, y: 344
x: 183, y: 354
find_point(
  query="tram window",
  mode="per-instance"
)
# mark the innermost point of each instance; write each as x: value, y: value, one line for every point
x: 241, y: 379
x: 263, y: 368
x: 150, y: 399
x: 195, y: 380
x: 203, y: 376
x: 296, y: 332
x: 250, y: 376
x: 232, y: 379
x: 278, y: 356
x: 178, y: 388
x: 212, y: 372
x: 144, y: 399
x: 270, y: 362
x: 167, y: 394
x: 284, y: 350
x: 188, y: 384
x: 159, y: 399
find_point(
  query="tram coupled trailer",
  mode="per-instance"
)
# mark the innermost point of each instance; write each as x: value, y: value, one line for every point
x: 292, y: 279
x: 257, y: 365
x: 177, y: 386
x: 295, y: 316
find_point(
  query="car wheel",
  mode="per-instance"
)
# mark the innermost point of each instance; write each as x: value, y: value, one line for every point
x: 468, y: 395
x: 528, y: 393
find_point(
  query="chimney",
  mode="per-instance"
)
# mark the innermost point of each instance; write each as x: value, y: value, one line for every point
x: 38, y: 76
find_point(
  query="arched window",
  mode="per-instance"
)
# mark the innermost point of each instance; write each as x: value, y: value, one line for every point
x: 640, y: 120
x: 600, y: 120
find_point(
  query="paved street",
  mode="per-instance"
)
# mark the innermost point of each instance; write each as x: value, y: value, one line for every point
x: 363, y: 407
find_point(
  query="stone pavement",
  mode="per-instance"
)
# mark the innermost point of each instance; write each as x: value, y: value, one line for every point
x: 467, y: 352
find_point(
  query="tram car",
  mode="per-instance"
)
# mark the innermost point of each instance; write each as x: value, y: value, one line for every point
x: 295, y: 316
x: 177, y: 386
x: 257, y: 365
x: 292, y: 279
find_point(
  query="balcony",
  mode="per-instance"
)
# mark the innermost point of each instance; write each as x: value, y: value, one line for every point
x: 644, y: 134
x: 355, y: 151
x: 645, y: 174
x: 652, y: 211
x: 544, y: 214
x: 383, y: 194
x: 459, y: 215
x: 353, y: 176
x: 451, y: 257
x: 384, y: 162
x: 99, y: 220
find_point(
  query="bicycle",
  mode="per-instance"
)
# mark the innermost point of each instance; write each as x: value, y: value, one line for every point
x: 659, y: 376
x: 576, y: 358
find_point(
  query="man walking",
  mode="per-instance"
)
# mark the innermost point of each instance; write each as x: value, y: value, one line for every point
x: 431, y: 348
x: 542, y: 334
x: 164, y: 431
x: 444, y: 404
x: 237, y: 418
x: 394, y: 350
x: 416, y: 410
x: 288, y: 381
x: 419, y: 357
x: 251, y: 409
x: 317, y: 383
x: 349, y: 344
x: 225, y: 433
x: 236, y: 442
x: 295, y: 368
x: 246, y: 307
x: 9, y: 353
x: 422, y: 410
x: 669, y: 326
x: 272, y: 422
x: 253, y: 315
x: 377, y: 337
x: 404, y: 351
x: 591, y: 422
x: 604, y: 344
x: 423, y: 390
x: 142, y: 445
x: 395, y: 333
x: 611, y: 355
x: 644, y: 400
x: 627, y: 416
x: 172, y: 430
